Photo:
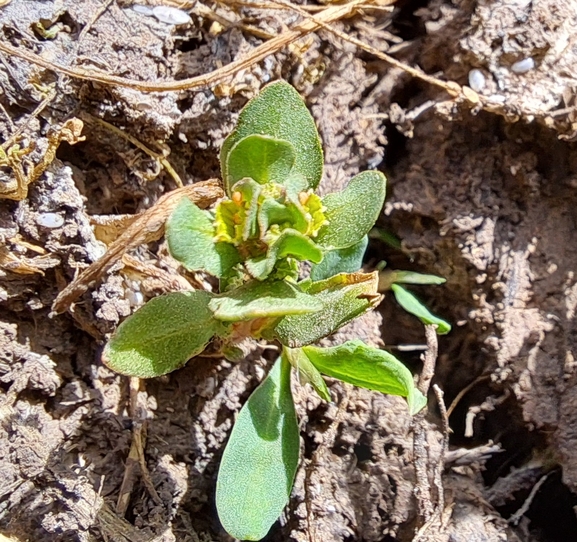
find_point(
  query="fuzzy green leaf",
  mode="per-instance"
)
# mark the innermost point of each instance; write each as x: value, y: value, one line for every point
x: 259, y: 463
x: 261, y: 158
x: 190, y: 233
x: 290, y: 243
x: 294, y: 184
x: 279, y: 112
x: 262, y: 300
x: 353, y: 212
x: 386, y: 278
x: 163, y: 335
x: 344, y: 260
x: 367, y: 367
x: 343, y: 296
x: 413, y: 306
x: 307, y: 371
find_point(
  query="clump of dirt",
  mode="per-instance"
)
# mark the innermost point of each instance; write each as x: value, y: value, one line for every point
x: 481, y: 191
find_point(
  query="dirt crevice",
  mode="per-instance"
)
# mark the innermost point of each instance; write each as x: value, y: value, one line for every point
x: 483, y: 198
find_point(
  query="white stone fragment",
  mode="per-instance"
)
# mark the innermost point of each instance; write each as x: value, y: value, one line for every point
x: 477, y: 80
x: 169, y: 15
x: 135, y: 298
x: 496, y: 99
x: 143, y: 10
x: 523, y: 66
x: 50, y: 220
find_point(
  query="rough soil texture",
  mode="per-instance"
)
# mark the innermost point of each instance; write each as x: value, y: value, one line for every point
x: 481, y: 191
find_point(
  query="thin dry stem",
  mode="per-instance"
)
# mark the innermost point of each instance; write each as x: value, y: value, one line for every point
x: 154, y: 155
x: 328, y: 15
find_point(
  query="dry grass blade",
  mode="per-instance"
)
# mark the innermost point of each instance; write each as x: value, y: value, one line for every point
x: 154, y: 155
x: 148, y: 226
x: 328, y: 15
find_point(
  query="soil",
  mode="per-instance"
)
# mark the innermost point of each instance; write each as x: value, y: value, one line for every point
x: 481, y: 190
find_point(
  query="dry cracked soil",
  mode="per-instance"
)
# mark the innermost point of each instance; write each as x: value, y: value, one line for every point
x: 482, y: 190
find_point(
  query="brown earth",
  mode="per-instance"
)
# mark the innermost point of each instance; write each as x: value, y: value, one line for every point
x: 481, y: 191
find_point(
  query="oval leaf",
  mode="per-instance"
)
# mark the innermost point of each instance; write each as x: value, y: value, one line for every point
x: 279, y: 112
x: 262, y: 300
x: 259, y: 462
x: 367, y: 367
x: 162, y: 336
x: 344, y: 260
x: 413, y: 306
x: 343, y: 297
x: 261, y: 158
x: 353, y: 212
x: 190, y: 234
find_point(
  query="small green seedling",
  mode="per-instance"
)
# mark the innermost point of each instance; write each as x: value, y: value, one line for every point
x: 253, y: 241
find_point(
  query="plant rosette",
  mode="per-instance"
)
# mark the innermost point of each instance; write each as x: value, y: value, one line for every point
x: 253, y: 241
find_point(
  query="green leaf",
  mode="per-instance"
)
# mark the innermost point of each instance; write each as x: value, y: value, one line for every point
x: 343, y: 296
x: 259, y: 463
x: 344, y: 260
x: 250, y: 191
x: 353, y: 212
x: 367, y: 367
x: 294, y: 184
x: 163, y: 335
x: 386, y: 278
x: 279, y: 112
x: 262, y: 300
x: 307, y: 371
x: 261, y: 158
x: 413, y: 306
x: 386, y: 237
x: 290, y: 243
x: 284, y: 214
x: 190, y: 234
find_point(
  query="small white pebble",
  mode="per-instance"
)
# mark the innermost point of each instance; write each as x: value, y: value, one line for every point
x: 496, y: 99
x: 50, y: 220
x: 168, y: 15
x: 144, y: 10
x: 523, y: 66
x: 135, y: 298
x: 34, y: 303
x: 477, y: 80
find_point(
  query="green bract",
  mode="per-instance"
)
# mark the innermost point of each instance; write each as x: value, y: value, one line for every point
x: 253, y: 241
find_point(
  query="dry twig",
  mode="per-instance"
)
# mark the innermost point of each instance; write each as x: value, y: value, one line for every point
x: 136, y: 462
x: 440, y: 466
x: 328, y: 15
x: 516, y: 517
x: 147, y: 227
x: 452, y: 88
x: 420, y: 446
x: 464, y: 392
